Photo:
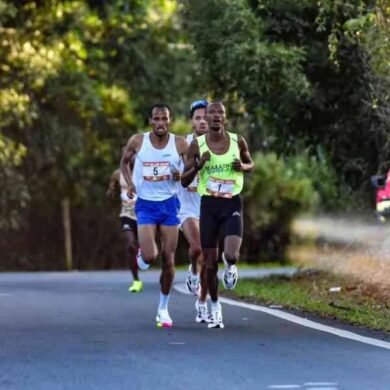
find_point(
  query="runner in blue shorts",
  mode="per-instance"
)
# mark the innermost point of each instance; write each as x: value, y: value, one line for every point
x: 155, y: 178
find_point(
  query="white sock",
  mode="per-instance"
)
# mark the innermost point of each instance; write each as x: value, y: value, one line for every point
x: 215, y: 305
x: 164, y: 299
x: 141, y: 263
x: 202, y: 303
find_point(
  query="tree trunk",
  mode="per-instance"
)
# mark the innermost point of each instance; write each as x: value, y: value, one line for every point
x: 67, y: 234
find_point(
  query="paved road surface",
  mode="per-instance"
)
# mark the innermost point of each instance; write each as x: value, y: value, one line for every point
x: 85, y: 331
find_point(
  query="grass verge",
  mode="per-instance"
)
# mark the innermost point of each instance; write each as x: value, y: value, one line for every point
x: 356, y: 303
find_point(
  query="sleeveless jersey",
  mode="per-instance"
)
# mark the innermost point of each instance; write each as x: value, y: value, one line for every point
x: 152, y: 173
x: 127, y: 209
x: 188, y: 196
x: 217, y: 177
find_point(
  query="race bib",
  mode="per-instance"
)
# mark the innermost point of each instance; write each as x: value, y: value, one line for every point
x: 219, y: 187
x: 156, y: 171
x: 193, y: 187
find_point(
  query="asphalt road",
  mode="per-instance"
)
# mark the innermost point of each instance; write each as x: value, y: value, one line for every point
x: 85, y: 331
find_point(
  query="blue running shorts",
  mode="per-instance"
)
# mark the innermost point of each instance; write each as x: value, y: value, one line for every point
x: 161, y: 212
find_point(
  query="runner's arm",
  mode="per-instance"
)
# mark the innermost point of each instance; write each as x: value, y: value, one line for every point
x: 191, y: 164
x: 245, y: 163
x: 113, y: 184
x: 181, y: 147
x: 128, y: 155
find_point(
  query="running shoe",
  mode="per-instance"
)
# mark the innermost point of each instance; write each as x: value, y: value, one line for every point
x: 163, y: 319
x: 192, y: 282
x: 216, y: 318
x: 136, y: 286
x: 230, y: 277
x: 202, y: 313
x: 140, y: 261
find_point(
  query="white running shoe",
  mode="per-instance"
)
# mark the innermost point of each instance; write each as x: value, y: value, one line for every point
x: 192, y: 282
x: 230, y: 277
x: 163, y: 319
x: 202, y: 313
x: 140, y: 261
x: 216, y: 318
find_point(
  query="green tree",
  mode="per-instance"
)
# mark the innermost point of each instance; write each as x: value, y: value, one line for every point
x: 14, y: 194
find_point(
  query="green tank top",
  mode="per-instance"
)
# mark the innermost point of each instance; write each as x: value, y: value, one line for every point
x: 217, y: 178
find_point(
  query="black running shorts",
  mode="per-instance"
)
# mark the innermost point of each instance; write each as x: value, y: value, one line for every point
x: 128, y: 224
x: 219, y: 213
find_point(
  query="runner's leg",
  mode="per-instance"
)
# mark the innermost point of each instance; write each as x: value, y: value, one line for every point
x: 231, y: 249
x: 147, y: 242
x: 169, y: 237
x: 232, y: 242
x: 191, y: 232
x: 131, y: 243
x: 190, y: 227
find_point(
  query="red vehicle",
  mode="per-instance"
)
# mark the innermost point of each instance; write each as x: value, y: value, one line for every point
x: 382, y: 185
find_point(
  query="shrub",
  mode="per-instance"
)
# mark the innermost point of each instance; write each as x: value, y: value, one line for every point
x: 276, y: 192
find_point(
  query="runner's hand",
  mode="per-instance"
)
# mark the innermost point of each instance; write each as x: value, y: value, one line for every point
x: 205, y: 157
x: 126, y: 200
x: 131, y: 191
x: 175, y: 175
x: 237, y: 165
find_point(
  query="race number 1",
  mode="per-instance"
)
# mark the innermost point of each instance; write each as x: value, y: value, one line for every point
x: 220, y: 188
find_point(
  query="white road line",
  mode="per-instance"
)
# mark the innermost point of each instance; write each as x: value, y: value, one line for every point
x: 321, y: 388
x: 298, y: 320
x: 284, y: 387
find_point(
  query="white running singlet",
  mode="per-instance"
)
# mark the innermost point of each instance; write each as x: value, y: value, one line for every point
x: 127, y: 209
x: 152, y: 173
x: 188, y: 196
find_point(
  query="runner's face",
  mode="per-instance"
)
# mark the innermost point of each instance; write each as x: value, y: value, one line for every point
x: 199, y: 123
x: 216, y: 116
x: 160, y: 121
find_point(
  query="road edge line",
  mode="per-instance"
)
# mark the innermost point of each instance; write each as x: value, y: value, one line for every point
x: 180, y: 287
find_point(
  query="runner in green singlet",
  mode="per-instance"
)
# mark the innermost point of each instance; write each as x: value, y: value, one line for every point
x: 221, y: 158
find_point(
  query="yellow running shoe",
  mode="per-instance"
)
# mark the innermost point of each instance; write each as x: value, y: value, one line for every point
x: 136, y: 286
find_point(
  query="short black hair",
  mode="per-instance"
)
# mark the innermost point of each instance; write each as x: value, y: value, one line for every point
x: 160, y: 105
x: 216, y: 102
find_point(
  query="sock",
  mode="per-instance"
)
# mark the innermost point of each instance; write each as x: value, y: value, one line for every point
x: 202, y: 303
x: 227, y: 265
x: 163, y: 302
x: 141, y: 263
x: 215, y: 305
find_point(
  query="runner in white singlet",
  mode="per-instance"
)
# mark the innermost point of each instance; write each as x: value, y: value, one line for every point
x: 189, y: 220
x: 129, y: 225
x: 156, y: 180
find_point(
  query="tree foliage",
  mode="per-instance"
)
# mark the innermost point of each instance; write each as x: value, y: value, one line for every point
x: 295, y: 77
x: 305, y: 81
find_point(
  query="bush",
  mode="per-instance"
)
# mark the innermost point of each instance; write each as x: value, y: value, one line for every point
x: 277, y: 191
